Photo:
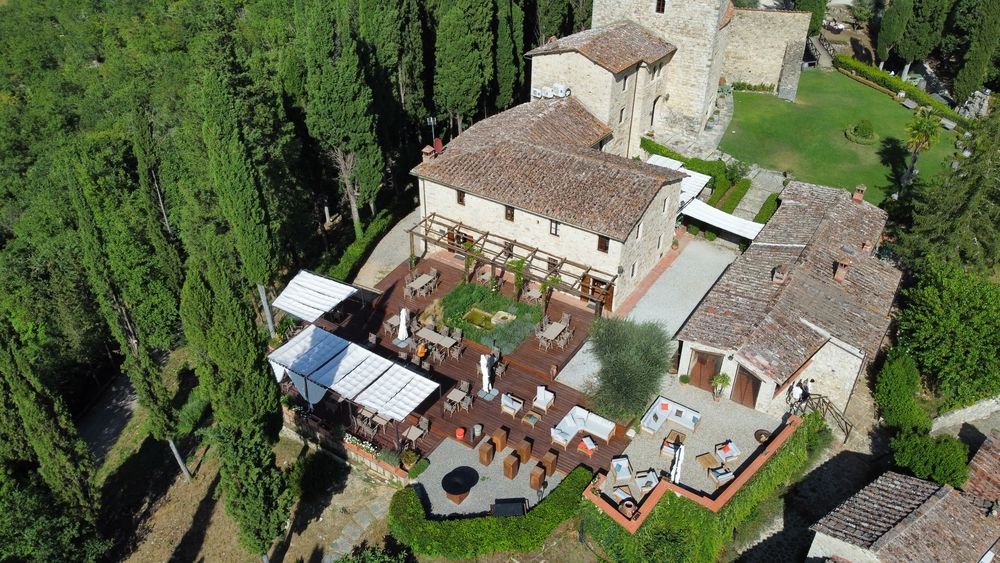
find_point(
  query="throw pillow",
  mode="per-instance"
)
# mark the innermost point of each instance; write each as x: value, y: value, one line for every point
x: 664, y: 406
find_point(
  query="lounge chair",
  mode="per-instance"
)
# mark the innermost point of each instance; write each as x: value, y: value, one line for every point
x: 510, y: 404
x: 720, y: 475
x: 621, y: 469
x: 727, y: 451
x: 647, y: 481
x: 543, y: 399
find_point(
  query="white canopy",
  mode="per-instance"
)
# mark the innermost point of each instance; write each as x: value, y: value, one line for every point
x: 705, y: 213
x: 691, y: 186
x: 309, y: 295
x: 316, y: 360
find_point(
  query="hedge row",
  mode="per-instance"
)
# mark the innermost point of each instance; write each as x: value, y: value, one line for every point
x: 735, y: 195
x: 895, y: 84
x: 714, y: 168
x: 465, y: 538
x: 748, y: 87
x: 358, y: 250
x: 681, y: 530
x: 768, y: 209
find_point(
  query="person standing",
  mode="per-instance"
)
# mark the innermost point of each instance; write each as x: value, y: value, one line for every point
x: 807, y: 388
x: 797, y: 392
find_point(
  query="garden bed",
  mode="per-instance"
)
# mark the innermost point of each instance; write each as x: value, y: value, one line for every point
x: 480, y: 301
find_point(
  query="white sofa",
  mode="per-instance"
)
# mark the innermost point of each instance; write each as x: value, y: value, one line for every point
x: 664, y: 409
x: 577, y: 419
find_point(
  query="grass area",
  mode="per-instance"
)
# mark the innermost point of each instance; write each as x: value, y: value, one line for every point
x: 128, y: 443
x: 508, y: 336
x: 807, y: 137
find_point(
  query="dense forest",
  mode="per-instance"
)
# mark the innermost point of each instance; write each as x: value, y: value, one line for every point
x: 164, y: 165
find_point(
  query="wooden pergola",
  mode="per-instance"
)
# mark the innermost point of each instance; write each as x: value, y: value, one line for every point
x: 576, y: 279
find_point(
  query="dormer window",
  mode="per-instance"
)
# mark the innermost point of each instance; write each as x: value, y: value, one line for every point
x: 661, y: 6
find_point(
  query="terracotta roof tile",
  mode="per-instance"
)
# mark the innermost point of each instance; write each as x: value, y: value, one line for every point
x: 539, y: 157
x: 614, y: 47
x: 984, y: 471
x: 776, y: 328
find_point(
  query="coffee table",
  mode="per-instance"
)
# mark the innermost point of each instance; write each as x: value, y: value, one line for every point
x: 531, y: 418
x: 675, y: 437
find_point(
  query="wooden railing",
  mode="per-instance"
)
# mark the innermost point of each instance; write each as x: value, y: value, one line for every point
x: 822, y: 404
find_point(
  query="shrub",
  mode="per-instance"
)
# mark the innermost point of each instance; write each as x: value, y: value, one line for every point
x: 508, y: 336
x: 191, y: 414
x: 389, y: 457
x: 767, y: 210
x: 357, y: 251
x: 942, y: 459
x: 737, y: 170
x: 735, y: 196
x: 685, y: 378
x: 861, y: 133
x: 466, y: 538
x: 694, y: 229
x: 894, y: 84
x: 748, y: 87
x: 634, y: 358
x: 419, y: 468
x: 714, y: 168
x: 710, y: 235
x: 895, y: 392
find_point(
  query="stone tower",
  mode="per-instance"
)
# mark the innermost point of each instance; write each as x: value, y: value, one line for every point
x: 698, y: 29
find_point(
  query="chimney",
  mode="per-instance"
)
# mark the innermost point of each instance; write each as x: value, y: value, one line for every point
x: 843, y: 264
x: 859, y: 193
x: 428, y: 153
x: 780, y: 274
x: 867, y: 246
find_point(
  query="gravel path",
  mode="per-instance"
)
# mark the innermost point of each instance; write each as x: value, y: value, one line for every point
x: 393, y: 249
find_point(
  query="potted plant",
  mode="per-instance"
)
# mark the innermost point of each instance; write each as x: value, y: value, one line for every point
x: 719, y: 383
x: 685, y: 379
x: 674, y: 244
x: 409, y: 458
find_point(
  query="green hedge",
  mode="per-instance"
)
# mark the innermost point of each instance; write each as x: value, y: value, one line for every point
x: 419, y: 467
x: 508, y: 336
x: 714, y: 168
x: 748, y: 87
x: 895, y: 84
x: 942, y: 459
x: 735, y: 196
x: 355, y: 254
x: 465, y: 538
x: 767, y: 210
x: 896, y: 390
x: 681, y: 530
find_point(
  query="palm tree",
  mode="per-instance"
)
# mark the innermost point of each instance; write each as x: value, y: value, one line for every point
x: 923, y: 131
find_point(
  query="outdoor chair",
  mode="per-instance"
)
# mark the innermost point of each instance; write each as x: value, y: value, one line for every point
x: 457, y: 334
x: 543, y: 399
x: 466, y: 402
x: 456, y: 351
x: 544, y: 343
x: 546, y: 321
x: 464, y: 386
x: 449, y: 408
x: 727, y: 451
x: 565, y: 319
x: 426, y: 366
x: 435, y: 273
x: 408, y: 292
x: 720, y: 475
x: 510, y: 404
x: 403, y: 356
x: 387, y: 328
x: 621, y: 469
x: 500, y: 369
x: 563, y: 340
x: 647, y: 481
x: 437, y: 355
x: 623, y: 493
x: 372, y: 338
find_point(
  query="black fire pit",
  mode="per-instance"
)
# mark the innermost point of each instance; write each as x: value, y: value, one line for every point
x: 458, y: 482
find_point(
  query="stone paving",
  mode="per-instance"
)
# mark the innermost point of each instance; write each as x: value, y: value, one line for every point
x: 357, y: 523
x: 393, y: 249
x: 492, y: 484
x: 763, y: 183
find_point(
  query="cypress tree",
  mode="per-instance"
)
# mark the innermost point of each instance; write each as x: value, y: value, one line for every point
x: 818, y: 10
x: 411, y: 71
x: 923, y: 31
x: 464, y: 66
x: 508, y: 52
x: 984, y: 44
x: 339, y: 108
x: 891, y: 29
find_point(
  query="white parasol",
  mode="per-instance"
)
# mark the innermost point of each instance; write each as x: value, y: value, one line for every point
x: 484, y: 368
x: 404, y: 331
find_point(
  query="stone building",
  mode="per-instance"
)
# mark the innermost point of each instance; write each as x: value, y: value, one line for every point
x: 535, y: 174
x: 899, y: 518
x: 807, y: 300
x: 715, y: 42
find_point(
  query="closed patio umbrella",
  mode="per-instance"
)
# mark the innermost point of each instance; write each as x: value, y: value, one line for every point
x: 404, y: 321
x: 484, y: 368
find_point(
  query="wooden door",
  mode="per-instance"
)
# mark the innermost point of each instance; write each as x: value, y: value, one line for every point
x: 745, y: 388
x: 704, y: 367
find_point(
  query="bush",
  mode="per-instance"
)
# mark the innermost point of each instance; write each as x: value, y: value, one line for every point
x: 735, y: 196
x: 466, y: 538
x: 356, y: 252
x: 942, y: 459
x: 191, y: 414
x: 710, y: 235
x: 895, y: 392
x: 737, y: 170
x: 419, y: 468
x: 767, y: 210
x: 508, y: 336
x: 685, y: 378
x: 861, y: 133
x: 714, y: 168
x: 634, y: 358
x: 389, y: 457
x: 694, y: 229
x: 894, y: 84
x: 748, y: 87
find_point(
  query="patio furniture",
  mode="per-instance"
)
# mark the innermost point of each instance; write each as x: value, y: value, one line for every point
x: 511, y: 464
x: 499, y: 369
x: 483, y: 276
x: 500, y: 438
x: 372, y: 339
x: 466, y: 402
x: 414, y: 433
x: 536, y: 479
x: 435, y: 273
x: 455, y: 396
x: 531, y: 418
x: 409, y: 292
x: 403, y: 356
x: 387, y: 327
x: 621, y: 469
x: 664, y: 409
x: 365, y: 413
x: 426, y: 366
x: 622, y: 493
x: 543, y: 398
x: 762, y: 436
x: 456, y: 351
x: 523, y: 449
x: 465, y: 386
x: 421, y: 281
x: 510, y: 404
x: 563, y: 340
x: 544, y: 344
x: 509, y: 507
x: 458, y: 482
x: 708, y: 461
x: 437, y: 355
x: 668, y: 448
x: 720, y: 475
x: 727, y: 451
x: 532, y: 295
x: 675, y: 437
x: 587, y: 445
x: 486, y: 452
x: 553, y: 330
x: 457, y: 335
x: 449, y: 408
x: 565, y: 319
x: 647, y: 481
x: 549, y: 461
x: 577, y: 419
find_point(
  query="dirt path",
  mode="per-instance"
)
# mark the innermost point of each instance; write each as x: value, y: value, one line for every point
x: 102, y: 425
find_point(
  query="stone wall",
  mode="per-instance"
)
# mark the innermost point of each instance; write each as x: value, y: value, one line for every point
x: 766, y: 47
x: 589, y: 83
x: 657, y: 226
x: 982, y: 409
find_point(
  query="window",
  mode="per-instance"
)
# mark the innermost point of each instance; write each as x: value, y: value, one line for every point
x: 624, y: 83
x: 661, y: 6
x: 554, y: 228
x: 621, y: 115
x: 665, y: 204
x: 632, y: 275
x: 638, y: 232
x: 508, y: 213
x: 602, y: 243
x: 460, y: 197
x: 659, y: 242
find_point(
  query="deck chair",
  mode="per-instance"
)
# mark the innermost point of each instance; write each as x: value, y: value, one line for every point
x: 543, y: 398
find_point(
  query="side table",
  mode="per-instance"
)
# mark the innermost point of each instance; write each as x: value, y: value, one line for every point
x: 500, y: 438
x: 537, y: 477
x: 486, y: 453
x: 510, y: 466
x: 549, y: 461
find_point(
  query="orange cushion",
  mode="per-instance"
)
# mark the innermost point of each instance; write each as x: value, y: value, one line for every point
x: 725, y: 449
x: 665, y: 406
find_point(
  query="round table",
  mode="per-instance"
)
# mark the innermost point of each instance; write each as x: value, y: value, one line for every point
x: 458, y: 482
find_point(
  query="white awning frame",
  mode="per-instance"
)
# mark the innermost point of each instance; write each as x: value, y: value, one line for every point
x: 308, y: 296
x: 705, y: 213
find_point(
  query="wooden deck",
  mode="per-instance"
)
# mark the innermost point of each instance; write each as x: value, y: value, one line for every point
x: 529, y: 367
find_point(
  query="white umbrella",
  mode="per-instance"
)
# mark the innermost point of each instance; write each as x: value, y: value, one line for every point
x: 675, y: 471
x: 404, y: 331
x: 484, y: 368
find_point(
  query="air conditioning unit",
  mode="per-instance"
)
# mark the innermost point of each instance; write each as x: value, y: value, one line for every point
x: 560, y: 90
x: 546, y: 92
x: 536, y: 92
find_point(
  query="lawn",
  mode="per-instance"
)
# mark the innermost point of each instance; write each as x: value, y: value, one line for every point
x: 807, y: 137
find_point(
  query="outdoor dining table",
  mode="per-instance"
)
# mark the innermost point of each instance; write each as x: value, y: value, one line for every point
x: 380, y: 420
x: 393, y: 320
x: 553, y: 331
x: 533, y: 295
x: 455, y: 395
x: 436, y: 338
x: 421, y: 281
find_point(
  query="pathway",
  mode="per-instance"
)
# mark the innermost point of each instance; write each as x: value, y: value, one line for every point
x: 393, y: 249
x: 823, y: 58
x: 103, y: 423
x: 763, y: 183
x: 357, y: 523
